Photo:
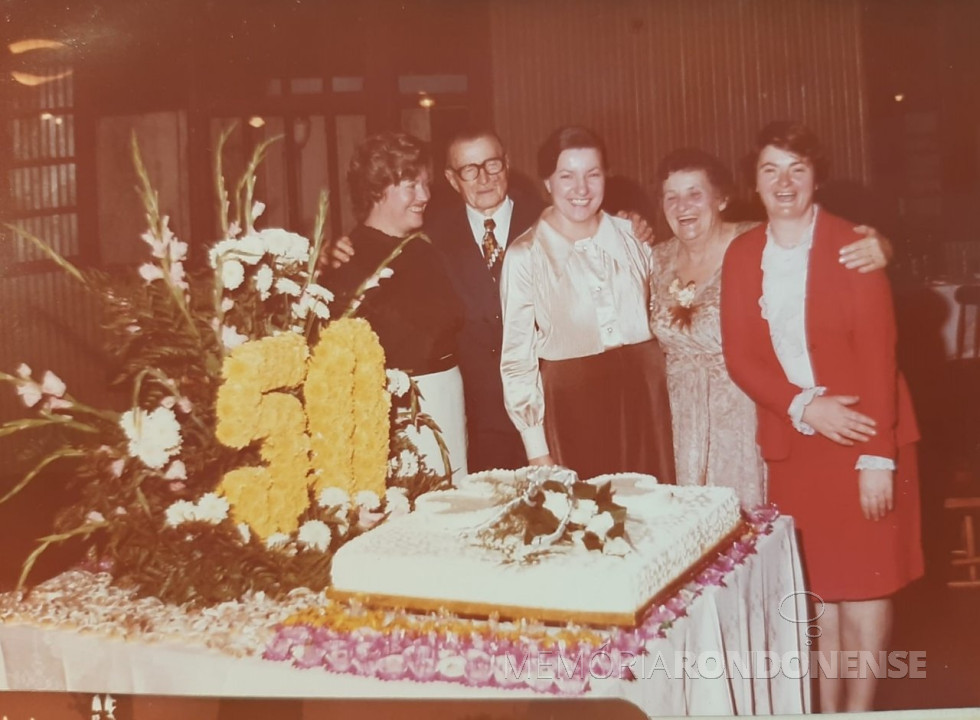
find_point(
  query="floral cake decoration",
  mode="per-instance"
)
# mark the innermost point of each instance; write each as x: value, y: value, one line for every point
x: 551, y: 506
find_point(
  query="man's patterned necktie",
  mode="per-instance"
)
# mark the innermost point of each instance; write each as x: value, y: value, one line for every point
x: 492, y: 252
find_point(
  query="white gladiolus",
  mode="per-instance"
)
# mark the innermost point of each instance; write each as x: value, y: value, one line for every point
x: 232, y: 274
x: 30, y: 393
x: 153, y: 437
x: 178, y: 251
x: 315, y: 534
x: 51, y: 384
x: 151, y: 272
x: 227, y: 304
x: 375, y: 280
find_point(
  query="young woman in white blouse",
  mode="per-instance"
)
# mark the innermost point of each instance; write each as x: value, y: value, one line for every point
x: 583, y: 376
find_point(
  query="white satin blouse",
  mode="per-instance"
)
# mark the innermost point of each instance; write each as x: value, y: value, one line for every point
x: 566, y: 299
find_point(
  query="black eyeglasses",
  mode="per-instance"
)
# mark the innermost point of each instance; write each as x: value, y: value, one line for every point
x: 492, y: 166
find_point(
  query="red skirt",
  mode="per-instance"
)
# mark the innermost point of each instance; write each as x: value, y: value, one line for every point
x: 610, y: 413
x: 845, y: 555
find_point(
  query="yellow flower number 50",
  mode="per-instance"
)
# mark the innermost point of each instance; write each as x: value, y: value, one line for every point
x: 340, y: 437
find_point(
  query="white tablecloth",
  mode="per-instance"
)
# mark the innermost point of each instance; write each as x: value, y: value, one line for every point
x: 760, y: 608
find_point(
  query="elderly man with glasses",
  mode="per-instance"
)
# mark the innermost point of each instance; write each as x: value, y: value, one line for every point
x: 471, y: 236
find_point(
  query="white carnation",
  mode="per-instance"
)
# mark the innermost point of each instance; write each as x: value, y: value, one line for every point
x: 318, y: 291
x: 180, y: 512
x: 367, y: 499
x: 212, y: 508
x: 286, y: 246
x: 288, y: 287
x: 263, y: 281
x: 396, y: 501
x: 332, y: 497
x: 315, y: 534
x: 249, y: 249
x: 219, y: 250
x: 398, y: 382
x: 245, y: 532
x: 232, y: 274
x: 231, y: 338
x: 321, y: 310
x: 153, y: 437
x: 556, y: 503
x: 600, y: 524
x: 276, y: 540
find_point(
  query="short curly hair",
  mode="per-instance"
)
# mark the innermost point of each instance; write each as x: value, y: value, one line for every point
x: 694, y: 159
x: 381, y: 161
x: 794, y: 137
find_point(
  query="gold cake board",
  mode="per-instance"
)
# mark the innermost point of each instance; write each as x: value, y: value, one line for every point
x: 545, y: 615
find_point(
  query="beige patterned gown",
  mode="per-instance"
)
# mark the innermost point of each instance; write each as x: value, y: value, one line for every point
x: 714, y: 421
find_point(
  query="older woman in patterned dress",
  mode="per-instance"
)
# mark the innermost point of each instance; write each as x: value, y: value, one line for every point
x: 714, y: 422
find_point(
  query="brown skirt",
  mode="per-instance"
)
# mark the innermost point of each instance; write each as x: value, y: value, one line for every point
x: 609, y: 413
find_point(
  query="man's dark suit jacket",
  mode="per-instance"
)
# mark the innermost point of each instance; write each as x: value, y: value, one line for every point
x: 492, y: 438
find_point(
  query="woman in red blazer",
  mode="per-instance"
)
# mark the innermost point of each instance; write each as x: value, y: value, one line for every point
x: 814, y: 346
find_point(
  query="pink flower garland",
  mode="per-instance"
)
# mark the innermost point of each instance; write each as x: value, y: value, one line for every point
x: 483, y: 660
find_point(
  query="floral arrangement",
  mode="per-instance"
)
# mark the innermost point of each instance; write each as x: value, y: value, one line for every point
x: 551, y: 506
x: 395, y: 645
x: 244, y: 458
x: 682, y: 313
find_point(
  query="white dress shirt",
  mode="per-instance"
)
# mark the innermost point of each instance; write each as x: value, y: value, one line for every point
x: 501, y: 218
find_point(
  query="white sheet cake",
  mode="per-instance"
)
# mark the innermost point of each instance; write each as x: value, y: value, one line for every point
x: 430, y: 559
